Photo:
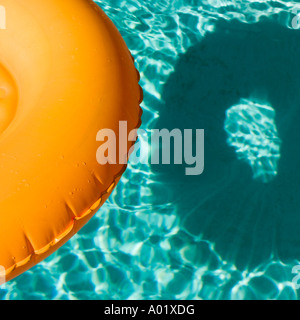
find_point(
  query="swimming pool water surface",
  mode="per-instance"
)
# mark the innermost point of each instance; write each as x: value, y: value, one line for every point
x: 231, y: 68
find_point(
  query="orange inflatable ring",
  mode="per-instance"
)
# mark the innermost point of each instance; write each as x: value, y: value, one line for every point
x: 65, y: 74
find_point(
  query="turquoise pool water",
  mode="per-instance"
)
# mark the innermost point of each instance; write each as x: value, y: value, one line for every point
x: 231, y: 68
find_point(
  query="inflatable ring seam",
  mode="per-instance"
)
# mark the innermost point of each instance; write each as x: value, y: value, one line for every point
x: 91, y: 210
